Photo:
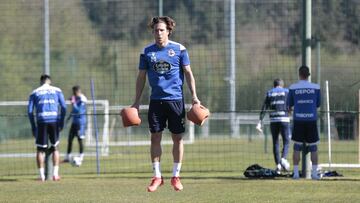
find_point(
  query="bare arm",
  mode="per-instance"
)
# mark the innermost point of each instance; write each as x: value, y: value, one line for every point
x: 140, y: 83
x: 191, y: 84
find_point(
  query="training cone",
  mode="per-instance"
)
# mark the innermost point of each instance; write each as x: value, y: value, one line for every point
x: 198, y: 114
x: 130, y: 117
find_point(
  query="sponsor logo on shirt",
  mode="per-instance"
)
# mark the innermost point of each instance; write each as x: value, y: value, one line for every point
x: 51, y: 113
x: 305, y: 91
x: 278, y: 113
x: 304, y: 115
x: 277, y: 102
x: 47, y: 101
x: 162, y: 67
x: 48, y: 91
x: 309, y: 101
x: 276, y: 94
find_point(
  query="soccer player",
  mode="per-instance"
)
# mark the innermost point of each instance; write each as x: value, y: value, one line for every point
x: 77, y: 129
x: 166, y: 63
x: 275, y: 100
x: 305, y: 98
x: 49, y: 122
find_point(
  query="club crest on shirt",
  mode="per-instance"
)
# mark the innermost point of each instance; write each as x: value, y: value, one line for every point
x: 162, y: 67
x: 153, y: 57
x: 171, y: 52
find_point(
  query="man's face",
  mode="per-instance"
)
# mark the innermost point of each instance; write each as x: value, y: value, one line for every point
x: 77, y: 93
x: 161, y: 34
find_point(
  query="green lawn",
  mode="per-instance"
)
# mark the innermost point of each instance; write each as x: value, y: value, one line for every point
x: 197, y: 188
x: 212, y: 172
x: 220, y: 154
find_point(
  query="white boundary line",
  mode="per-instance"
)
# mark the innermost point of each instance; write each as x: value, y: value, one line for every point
x: 33, y: 155
x: 327, y: 165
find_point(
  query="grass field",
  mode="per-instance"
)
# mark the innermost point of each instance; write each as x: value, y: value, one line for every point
x: 212, y: 172
x: 197, y: 188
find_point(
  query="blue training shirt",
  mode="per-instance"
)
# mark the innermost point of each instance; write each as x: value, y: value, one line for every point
x: 305, y: 98
x: 46, y: 100
x: 275, y: 100
x: 78, y: 111
x: 164, y: 68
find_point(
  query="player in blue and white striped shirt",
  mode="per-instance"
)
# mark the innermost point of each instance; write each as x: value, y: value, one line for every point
x: 49, y: 122
x: 305, y: 98
x: 275, y: 100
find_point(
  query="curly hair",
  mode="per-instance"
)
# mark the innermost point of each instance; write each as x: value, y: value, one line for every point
x: 169, y: 22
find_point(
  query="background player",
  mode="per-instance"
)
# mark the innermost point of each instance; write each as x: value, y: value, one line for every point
x: 78, y: 126
x: 49, y: 122
x: 275, y: 100
x: 165, y: 63
x: 305, y: 98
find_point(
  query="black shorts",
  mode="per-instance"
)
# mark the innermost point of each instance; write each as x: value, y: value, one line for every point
x: 305, y: 131
x: 45, y: 132
x: 170, y: 112
x: 77, y: 130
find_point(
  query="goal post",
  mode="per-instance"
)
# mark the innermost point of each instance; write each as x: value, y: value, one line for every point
x: 106, y: 127
x: 331, y: 164
x: 102, y: 109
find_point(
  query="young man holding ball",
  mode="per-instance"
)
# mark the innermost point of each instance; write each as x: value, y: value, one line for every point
x: 166, y: 64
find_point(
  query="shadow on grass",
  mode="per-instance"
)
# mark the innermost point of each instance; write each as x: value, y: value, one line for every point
x: 8, y: 180
x: 340, y: 179
x: 146, y: 176
x: 234, y: 178
x: 188, y: 175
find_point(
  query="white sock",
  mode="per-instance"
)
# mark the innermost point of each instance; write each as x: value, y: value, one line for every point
x: 296, y: 169
x: 42, y: 173
x: 176, y: 169
x: 68, y: 156
x: 56, y: 171
x: 156, y: 169
x: 314, y: 169
x: 81, y: 156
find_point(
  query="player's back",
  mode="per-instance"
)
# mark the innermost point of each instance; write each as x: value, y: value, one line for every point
x: 277, y: 97
x: 46, y: 99
x: 305, y: 97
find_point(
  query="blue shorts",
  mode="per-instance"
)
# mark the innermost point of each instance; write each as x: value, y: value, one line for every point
x: 282, y: 128
x: 305, y: 131
x: 77, y: 130
x: 45, y: 132
x: 170, y: 112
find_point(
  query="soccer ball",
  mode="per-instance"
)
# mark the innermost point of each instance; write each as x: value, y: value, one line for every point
x: 198, y: 114
x: 130, y: 116
x: 76, y: 161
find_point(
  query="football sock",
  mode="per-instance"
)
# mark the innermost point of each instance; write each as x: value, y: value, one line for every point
x: 296, y: 169
x: 314, y: 169
x: 42, y: 173
x: 81, y: 156
x: 156, y: 169
x: 176, y: 169
x: 81, y: 146
x: 56, y: 171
